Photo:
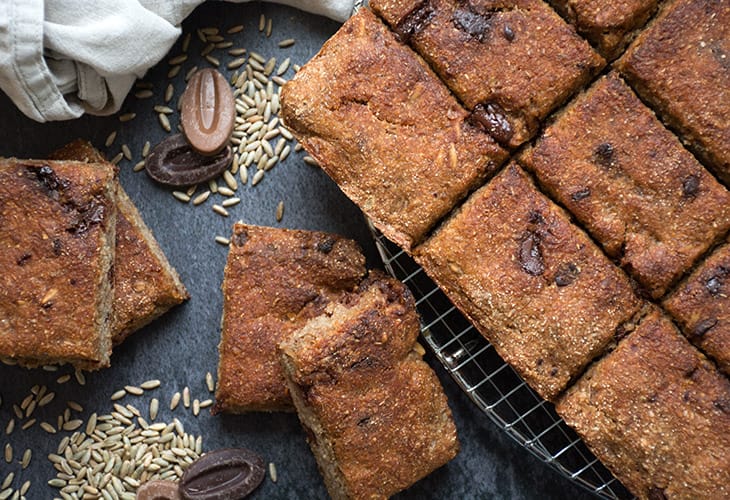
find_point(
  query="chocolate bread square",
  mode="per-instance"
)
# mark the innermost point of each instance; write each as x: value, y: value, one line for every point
x: 376, y: 416
x: 681, y: 65
x: 510, y: 62
x: 383, y: 126
x: 275, y: 280
x: 656, y: 412
x: 701, y: 305
x: 530, y: 281
x: 57, y: 226
x: 629, y: 181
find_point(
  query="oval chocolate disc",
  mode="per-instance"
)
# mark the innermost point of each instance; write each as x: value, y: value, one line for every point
x: 225, y: 474
x: 208, y: 112
x: 175, y: 163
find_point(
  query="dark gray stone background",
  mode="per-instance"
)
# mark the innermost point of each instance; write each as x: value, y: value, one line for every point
x: 182, y: 346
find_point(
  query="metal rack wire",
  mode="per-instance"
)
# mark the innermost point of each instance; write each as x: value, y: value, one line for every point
x: 493, y: 385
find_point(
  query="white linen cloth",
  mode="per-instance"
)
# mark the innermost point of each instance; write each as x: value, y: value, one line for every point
x: 61, y: 58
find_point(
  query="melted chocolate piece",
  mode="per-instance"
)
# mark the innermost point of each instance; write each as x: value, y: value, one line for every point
x: 223, y: 474
x: 508, y: 33
x: 690, y: 186
x: 175, y: 163
x: 604, y: 154
x: 714, y: 283
x: 414, y: 21
x: 656, y: 493
x: 703, y: 327
x: 567, y: 274
x: 581, y: 194
x: 326, y: 246
x: 492, y: 118
x: 477, y: 26
x: 50, y: 180
x: 23, y: 259
x: 239, y: 239
x: 87, y: 216
x: 530, y: 255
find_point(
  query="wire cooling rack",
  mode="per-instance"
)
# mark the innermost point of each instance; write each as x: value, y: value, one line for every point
x: 493, y: 385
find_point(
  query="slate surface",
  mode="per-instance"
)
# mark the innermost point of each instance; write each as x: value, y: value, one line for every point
x: 182, y: 346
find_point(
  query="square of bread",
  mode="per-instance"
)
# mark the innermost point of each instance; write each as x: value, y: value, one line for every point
x: 608, y: 24
x: 57, y: 226
x: 383, y: 126
x: 530, y: 281
x: 701, y: 305
x: 274, y: 281
x: 145, y: 284
x: 681, y: 65
x: 511, y: 62
x: 656, y: 412
x: 629, y: 181
x: 375, y: 414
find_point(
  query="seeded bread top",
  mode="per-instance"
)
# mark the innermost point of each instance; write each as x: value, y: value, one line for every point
x: 383, y: 126
x: 511, y: 62
x: 645, y: 198
x: 57, y: 224
x: 274, y: 281
x: 656, y: 412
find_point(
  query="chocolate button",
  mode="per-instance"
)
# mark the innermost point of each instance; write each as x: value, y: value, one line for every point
x: 175, y: 163
x: 227, y: 474
x: 159, y: 490
x: 208, y: 112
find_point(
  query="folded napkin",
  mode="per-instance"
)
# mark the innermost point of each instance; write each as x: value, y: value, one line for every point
x: 62, y: 58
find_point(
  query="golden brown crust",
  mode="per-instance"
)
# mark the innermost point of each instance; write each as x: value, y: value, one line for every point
x: 701, y: 305
x: 516, y: 54
x: 531, y: 282
x: 57, y: 222
x: 145, y: 284
x: 681, y: 65
x: 376, y: 416
x: 608, y: 24
x: 275, y: 280
x: 657, y: 414
x: 386, y: 129
x: 645, y: 198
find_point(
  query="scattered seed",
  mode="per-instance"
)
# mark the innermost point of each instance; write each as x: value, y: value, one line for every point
x: 212, y: 60
x: 169, y: 92
x: 230, y: 202
x: 190, y: 73
x: 72, y: 425
x: 175, y: 401
x: 163, y: 109
x: 201, y: 197
x: 186, y: 397
x: 269, y: 26
x: 235, y: 29
x: 186, y: 42
x: 118, y: 395
x: 206, y: 403
x: 117, y: 158
x: 80, y: 377
x: 209, y: 382
x: 24, y: 489
x: 75, y: 406
x: 272, y: 472
x: 8, y: 453
x: 196, y: 407
x: 91, y: 424
x: 226, y: 191
x: 8, y: 480
x: 179, y: 195
x: 174, y: 61
x: 139, y: 166
x: 110, y: 139
x: 144, y: 94
x: 154, y: 408
x: 146, y: 149
x: 127, y: 117
x: 48, y: 427
x: 126, y: 152
x: 25, y: 461
x: 230, y: 180
x: 46, y: 399
x: 257, y: 177
x: 237, y: 52
x: 279, y: 211
x: 63, y: 379
x: 9, y: 428
x: 236, y: 63
x: 164, y: 122
x: 262, y: 22
x: 220, y: 210
x: 174, y: 71
x: 310, y: 161
x: 287, y: 43
x: 28, y: 424
x: 150, y: 384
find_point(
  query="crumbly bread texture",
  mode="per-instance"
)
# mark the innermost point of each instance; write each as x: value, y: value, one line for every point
x: 656, y: 412
x: 645, y: 198
x: 375, y: 414
x: 681, y: 65
x: 383, y: 126
x: 57, y: 226
x: 701, y: 305
x: 531, y: 282
x: 145, y: 284
x: 275, y: 280
x: 608, y: 24
x: 510, y: 61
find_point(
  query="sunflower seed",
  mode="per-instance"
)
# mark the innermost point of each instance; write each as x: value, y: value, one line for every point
x: 175, y: 401
x: 230, y: 180
x: 46, y: 399
x: 127, y: 117
x: 163, y: 109
x: 126, y: 152
x: 196, y: 407
x: 258, y: 176
x: 212, y: 60
x: 186, y: 397
x: 9, y: 428
x: 179, y: 59
x: 146, y: 149
x: 236, y: 63
x: 279, y: 211
x: 230, y: 202
x: 150, y: 384
x: 235, y: 29
x: 8, y: 453
x: 28, y: 424
x: 63, y: 379
x: 272, y: 472
x: 25, y: 461
x: 154, y: 408
x: 262, y: 22
x: 206, y: 403
x: 287, y: 43
x: 169, y: 92
x: 237, y: 52
x: 117, y: 158
x: 201, y: 197
x: 72, y: 425
x: 269, y: 26
x: 164, y: 122
x: 139, y: 166
x: 80, y: 377
x: 174, y: 71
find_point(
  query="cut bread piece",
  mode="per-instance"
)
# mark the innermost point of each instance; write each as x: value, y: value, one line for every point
x: 57, y: 227
x: 375, y: 414
x: 145, y: 284
x: 274, y: 282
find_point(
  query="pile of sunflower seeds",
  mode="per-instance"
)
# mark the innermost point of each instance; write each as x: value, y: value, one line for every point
x: 259, y: 141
